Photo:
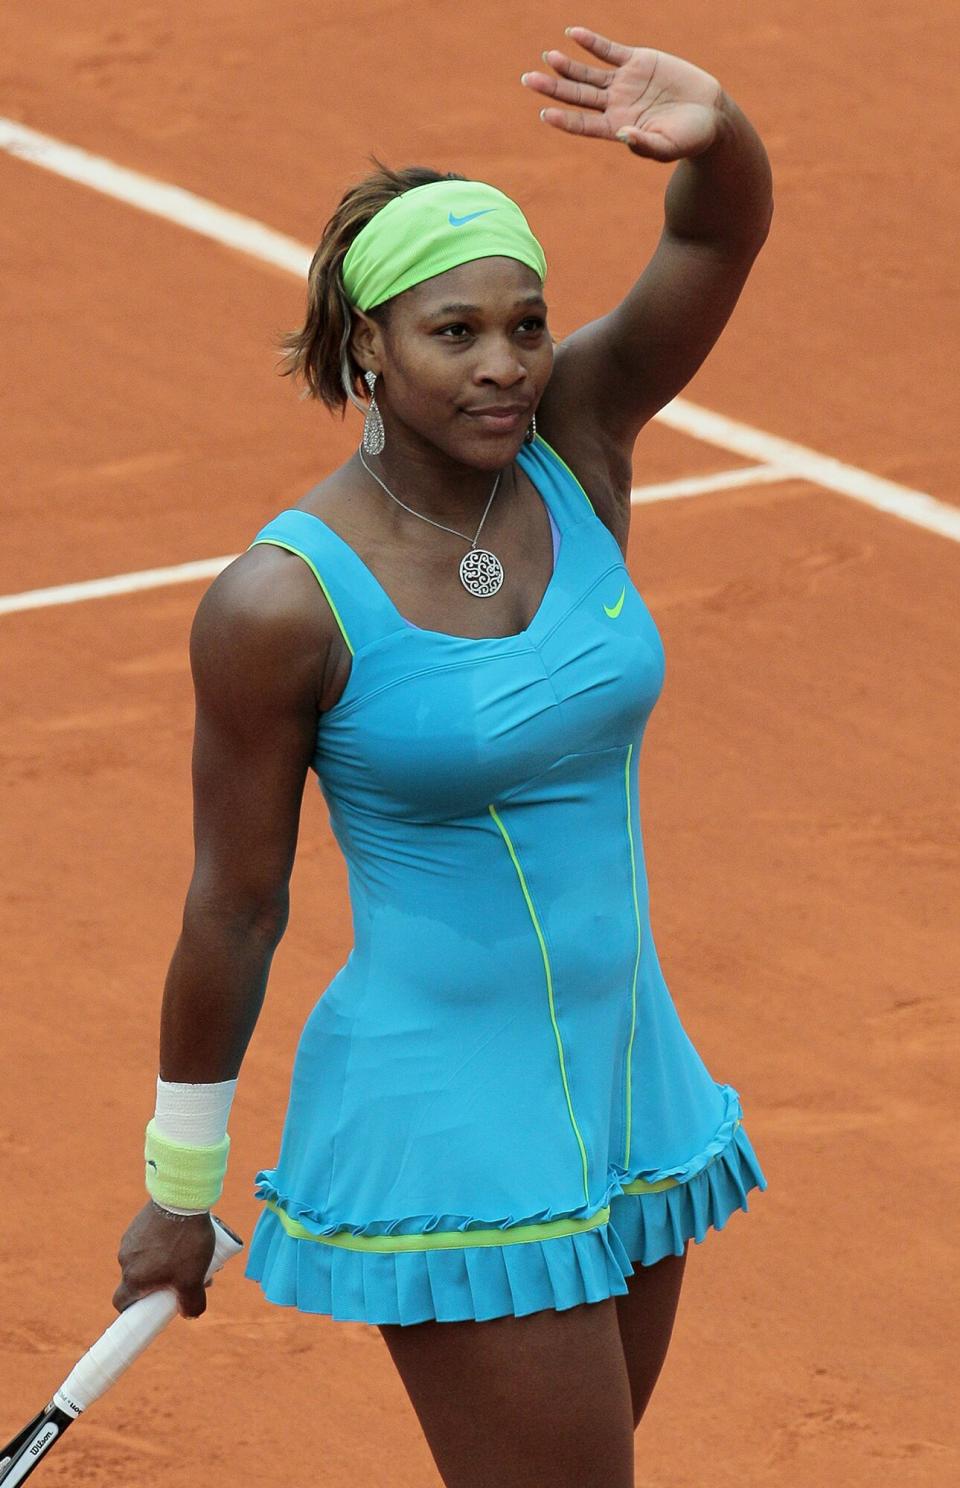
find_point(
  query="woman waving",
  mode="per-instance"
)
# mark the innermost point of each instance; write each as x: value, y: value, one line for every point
x: 500, y: 1139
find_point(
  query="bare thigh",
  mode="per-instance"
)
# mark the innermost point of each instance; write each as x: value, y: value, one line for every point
x: 522, y: 1402
x: 645, y: 1317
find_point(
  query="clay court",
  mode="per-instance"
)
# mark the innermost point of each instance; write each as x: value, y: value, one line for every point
x: 795, y: 535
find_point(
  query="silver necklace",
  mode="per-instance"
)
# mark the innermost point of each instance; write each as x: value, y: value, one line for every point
x: 481, y: 572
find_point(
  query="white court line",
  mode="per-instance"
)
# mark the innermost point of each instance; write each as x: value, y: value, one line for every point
x: 150, y: 195
x: 721, y: 480
x: 799, y: 462
x: 208, y: 568
x: 129, y: 583
x: 253, y: 238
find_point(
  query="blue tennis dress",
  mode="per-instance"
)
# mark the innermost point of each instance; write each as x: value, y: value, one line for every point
x: 494, y: 1105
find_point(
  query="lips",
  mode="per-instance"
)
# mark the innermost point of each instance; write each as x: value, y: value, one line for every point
x: 500, y: 417
x: 499, y: 409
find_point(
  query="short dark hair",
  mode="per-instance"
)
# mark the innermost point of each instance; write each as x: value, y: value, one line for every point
x: 319, y: 353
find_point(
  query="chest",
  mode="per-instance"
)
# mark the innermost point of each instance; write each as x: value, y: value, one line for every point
x: 440, y: 726
x: 419, y: 568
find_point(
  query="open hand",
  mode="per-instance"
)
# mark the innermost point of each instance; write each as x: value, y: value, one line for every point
x: 659, y: 105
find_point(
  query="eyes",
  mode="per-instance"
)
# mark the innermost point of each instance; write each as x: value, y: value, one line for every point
x: 530, y: 328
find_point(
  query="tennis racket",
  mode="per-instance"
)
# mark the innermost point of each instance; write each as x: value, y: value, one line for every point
x: 101, y: 1367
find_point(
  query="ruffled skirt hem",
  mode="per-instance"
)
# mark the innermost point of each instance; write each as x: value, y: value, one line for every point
x: 481, y: 1282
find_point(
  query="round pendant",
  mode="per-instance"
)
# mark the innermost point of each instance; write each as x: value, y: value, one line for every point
x: 481, y: 572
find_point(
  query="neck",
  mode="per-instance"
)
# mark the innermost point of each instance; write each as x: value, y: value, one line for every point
x: 434, y: 484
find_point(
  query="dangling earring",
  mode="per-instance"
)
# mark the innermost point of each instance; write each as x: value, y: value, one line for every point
x: 531, y: 433
x: 373, y: 435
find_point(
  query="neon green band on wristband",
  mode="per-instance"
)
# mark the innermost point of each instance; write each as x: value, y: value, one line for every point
x: 186, y: 1177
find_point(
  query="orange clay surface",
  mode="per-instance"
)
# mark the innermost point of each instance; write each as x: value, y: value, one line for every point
x: 799, y: 777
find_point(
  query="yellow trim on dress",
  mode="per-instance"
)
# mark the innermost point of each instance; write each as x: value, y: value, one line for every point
x: 278, y: 542
x: 466, y: 1239
x: 445, y: 1239
x: 546, y: 966
x: 636, y: 966
x: 559, y: 458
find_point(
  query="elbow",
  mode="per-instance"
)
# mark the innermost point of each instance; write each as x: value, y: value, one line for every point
x: 270, y: 921
x: 259, y: 918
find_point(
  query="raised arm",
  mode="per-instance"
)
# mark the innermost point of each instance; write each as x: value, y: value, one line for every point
x: 613, y: 374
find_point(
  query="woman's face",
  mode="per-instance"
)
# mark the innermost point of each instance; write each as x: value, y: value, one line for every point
x: 463, y: 359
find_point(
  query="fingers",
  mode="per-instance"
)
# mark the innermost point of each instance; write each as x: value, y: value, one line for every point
x: 584, y: 95
x: 645, y: 142
x: 122, y: 1297
x: 593, y: 125
x: 192, y: 1301
x: 650, y: 144
x: 600, y: 46
x: 578, y: 72
x: 125, y: 1294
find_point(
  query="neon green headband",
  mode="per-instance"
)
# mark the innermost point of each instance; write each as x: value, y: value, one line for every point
x: 431, y: 229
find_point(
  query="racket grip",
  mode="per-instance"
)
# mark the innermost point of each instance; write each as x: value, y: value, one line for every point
x: 133, y: 1331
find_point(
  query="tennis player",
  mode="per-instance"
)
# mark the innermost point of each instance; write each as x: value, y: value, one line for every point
x: 500, y: 1139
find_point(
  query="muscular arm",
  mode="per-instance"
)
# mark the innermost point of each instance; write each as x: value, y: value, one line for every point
x: 717, y: 212
x: 257, y: 653
x: 612, y: 375
x: 260, y: 651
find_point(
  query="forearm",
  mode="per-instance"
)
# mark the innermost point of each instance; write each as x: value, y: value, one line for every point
x: 725, y: 194
x: 213, y: 992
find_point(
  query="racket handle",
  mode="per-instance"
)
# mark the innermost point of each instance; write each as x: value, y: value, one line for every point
x: 133, y: 1331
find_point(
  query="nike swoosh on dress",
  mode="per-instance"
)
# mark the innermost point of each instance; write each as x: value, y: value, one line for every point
x: 614, y: 610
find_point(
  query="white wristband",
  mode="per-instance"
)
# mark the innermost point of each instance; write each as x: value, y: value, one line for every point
x: 193, y: 1114
x: 196, y: 1115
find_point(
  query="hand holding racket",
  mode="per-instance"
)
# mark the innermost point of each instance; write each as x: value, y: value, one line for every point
x: 102, y: 1365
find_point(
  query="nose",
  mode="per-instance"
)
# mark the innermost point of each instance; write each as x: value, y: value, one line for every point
x: 499, y: 363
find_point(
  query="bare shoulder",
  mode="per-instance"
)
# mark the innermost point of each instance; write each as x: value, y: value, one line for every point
x: 262, y: 632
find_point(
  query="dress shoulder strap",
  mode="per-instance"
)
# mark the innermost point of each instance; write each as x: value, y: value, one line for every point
x: 553, y: 477
x: 358, y: 602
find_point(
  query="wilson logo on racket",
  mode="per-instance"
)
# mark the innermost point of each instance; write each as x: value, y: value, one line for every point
x: 102, y: 1364
x: 43, y: 1439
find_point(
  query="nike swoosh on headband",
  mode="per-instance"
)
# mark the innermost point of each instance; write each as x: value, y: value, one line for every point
x: 459, y: 221
x: 614, y: 610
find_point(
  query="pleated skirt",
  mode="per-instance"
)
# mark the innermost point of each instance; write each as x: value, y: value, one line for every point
x: 481, y: 1282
